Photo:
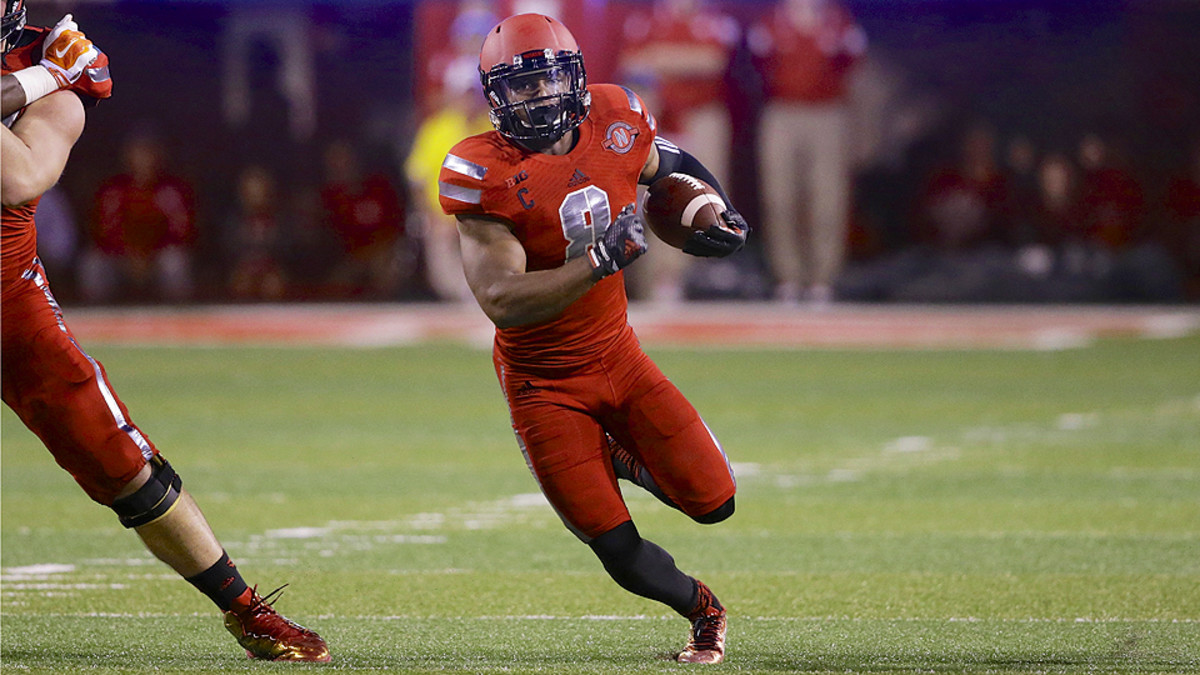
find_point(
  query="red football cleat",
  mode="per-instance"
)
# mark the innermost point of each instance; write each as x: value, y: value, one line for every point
x: 266, y: 634
x: 706, y: 644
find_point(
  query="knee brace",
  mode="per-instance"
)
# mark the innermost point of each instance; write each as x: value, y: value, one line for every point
x: 716, y: 515
x: 154, y: 499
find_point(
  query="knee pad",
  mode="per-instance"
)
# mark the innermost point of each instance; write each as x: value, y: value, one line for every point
x: 716, y: 515
x: 154, y: 499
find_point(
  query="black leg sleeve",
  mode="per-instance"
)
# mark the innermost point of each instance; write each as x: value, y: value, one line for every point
x: 644, y: 568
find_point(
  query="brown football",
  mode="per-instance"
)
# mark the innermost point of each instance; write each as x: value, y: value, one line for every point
x: 678, y: 204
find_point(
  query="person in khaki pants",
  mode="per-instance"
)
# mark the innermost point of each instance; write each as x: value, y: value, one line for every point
x: 806, y: 50
x: 675, y: 54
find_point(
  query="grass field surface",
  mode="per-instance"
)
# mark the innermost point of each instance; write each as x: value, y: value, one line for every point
x: 899, y: 511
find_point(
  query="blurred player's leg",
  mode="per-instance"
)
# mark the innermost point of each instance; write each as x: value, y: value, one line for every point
x: 778, y: 149
x: 830, y: 192
x: 173, y: 273
x: 182, y: 539
x: 64, y: 397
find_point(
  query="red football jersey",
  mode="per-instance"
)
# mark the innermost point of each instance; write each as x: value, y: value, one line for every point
x: 558, y: 206
x: 18, y: 236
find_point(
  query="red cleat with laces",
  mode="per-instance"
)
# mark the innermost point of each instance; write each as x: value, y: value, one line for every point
x: 266, y: 634
x: 706, y: 644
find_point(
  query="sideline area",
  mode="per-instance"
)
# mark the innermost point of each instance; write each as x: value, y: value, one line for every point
x: 734, y: 325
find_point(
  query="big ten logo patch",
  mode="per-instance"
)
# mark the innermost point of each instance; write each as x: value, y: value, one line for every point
x: 512, y: 181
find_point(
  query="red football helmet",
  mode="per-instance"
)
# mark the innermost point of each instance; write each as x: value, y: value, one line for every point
x: 11, y: 24
x: 533, y: 77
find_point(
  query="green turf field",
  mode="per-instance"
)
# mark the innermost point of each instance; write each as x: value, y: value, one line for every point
x: 898, y: 512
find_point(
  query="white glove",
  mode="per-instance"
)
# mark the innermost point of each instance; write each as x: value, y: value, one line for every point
x: 66, y: 52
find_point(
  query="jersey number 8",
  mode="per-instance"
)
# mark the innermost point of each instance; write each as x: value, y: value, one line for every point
x: 584, y: 214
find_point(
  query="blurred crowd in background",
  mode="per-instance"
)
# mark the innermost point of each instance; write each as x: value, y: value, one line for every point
x: 883, y: 150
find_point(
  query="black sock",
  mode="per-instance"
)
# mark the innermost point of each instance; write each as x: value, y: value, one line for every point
x: 222, y: 582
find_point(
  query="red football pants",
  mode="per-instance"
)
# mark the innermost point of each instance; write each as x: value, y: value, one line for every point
x: 560, y: 421
x: 63, y: 395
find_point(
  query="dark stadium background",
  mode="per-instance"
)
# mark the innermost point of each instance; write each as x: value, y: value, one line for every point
x: 1049, y: 69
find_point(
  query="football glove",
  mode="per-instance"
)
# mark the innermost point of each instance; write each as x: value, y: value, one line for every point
x: 719, y: 240
x: 622, y: 243
x: 66, y: 52
x: 95, y: 83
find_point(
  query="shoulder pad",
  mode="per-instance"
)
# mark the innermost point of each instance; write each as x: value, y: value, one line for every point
x: 620, y: 97
x: 465, y: 172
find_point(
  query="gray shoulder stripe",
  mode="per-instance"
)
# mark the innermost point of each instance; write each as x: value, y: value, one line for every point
x: 465, y: 167
x: 634, y: 104
x: 457, y: 193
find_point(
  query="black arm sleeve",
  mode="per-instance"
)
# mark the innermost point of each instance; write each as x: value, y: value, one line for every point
x: 673, y: 159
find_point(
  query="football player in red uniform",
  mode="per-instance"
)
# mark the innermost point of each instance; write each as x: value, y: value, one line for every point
x: 61, y: 393
x: 546, y: 216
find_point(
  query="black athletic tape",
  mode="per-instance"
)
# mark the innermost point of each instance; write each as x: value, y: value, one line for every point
x: 151, y: 501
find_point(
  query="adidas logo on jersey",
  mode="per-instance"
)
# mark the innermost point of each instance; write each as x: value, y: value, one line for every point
x: 526, y: 389
x: 578, y: 179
